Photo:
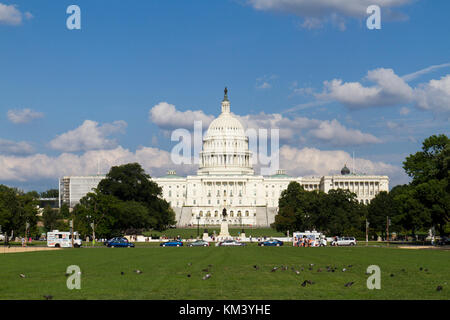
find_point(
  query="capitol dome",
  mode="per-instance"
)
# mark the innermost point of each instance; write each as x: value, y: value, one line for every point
x: 225, y: 146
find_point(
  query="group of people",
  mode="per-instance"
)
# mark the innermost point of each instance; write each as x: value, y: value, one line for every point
x: 303, y: 242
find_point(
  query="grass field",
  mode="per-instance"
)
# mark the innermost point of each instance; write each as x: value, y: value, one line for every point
x: 165, y: 273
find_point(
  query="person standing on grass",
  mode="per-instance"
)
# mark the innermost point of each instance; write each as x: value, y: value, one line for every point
x: 23, y: 242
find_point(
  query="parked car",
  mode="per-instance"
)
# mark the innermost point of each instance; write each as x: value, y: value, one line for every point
x: 172, y: 243
x: 231, y: 243
x: 110, y: 240
x: 271, y: 243
x: 345, y: 241
x: 199, y: 243
x: 120, y: 243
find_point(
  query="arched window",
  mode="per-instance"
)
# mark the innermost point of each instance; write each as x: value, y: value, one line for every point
x: 246, y: 213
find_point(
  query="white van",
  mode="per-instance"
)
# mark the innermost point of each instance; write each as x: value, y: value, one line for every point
x: 345, y: 241
x: 63, y: 239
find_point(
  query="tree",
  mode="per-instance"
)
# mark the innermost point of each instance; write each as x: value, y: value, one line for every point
x: 125, y: 201
x: 381, y: 207
x: 335, y: 213
x: 51, y: 193
x: 430, y: 170
x: 50, y: 218
x: 17, y: 209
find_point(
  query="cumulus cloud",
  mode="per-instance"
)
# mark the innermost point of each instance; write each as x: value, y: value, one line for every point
x: 315, y: 162
x: 294, y: 130
x: 16, y: 148
x: 316, y: 12
x: 23, y: 115
x: 300, y: 129
x: 89, y: 136
x: 434, y: 95
x: 167, y: 117
x: 389, y: 89
x: 10, y: 15
x: 40, y: 166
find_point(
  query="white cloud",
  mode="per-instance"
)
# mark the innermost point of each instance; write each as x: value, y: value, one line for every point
x: 317, y: 12
x: 23, y: 115
x: 434, y: 95
x: 265, y: 82
x: 264, y: 85
x: 89, y: 136
x: 300, y: 129
x: 389, y: 89
x: 40, y: 166
x: 315, y: 162
x: 13, y: 147
x: 167, y: 117
x: 414, y: 75
x: 335, y: 133
x: 404, y: 111
x: 10, y: 15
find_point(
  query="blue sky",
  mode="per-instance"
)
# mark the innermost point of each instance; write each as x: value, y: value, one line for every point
x: 112, y: 91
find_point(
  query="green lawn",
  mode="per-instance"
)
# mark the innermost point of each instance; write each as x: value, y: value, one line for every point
x: 165, y: 273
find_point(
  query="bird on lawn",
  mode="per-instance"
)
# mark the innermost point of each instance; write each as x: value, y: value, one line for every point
x: 420, y: 268
x: 122, y: 273
x: 297, y: 272
x: 256, y: 267
x: 48, y: 297
x: 349, y: 266
x: 392, y: 275
x: 438, y: 288
x: 22, y: 275
x: 188, y: 275
x: 319, y: 270
x: 205, y: 270
x: 207, y: 276
x: 348, y: 284
x: 304, y: 283
x: 274, y: 269
x: 190, y: 264
x: 138, y: 271
x: 343, y: 270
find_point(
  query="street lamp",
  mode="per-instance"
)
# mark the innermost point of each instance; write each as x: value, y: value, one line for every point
x: 198, y: 226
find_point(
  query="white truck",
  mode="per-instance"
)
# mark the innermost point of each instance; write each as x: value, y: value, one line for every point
x: 317, y: 239
x: 63, y: 239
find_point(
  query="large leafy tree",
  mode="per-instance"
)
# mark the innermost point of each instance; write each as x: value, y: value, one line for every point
x: 430, y: 171
x: 335, y: 213
x: 17, y: 209
x: 125, y: 201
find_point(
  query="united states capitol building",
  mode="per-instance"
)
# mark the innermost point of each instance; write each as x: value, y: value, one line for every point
x: 226, y: 180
